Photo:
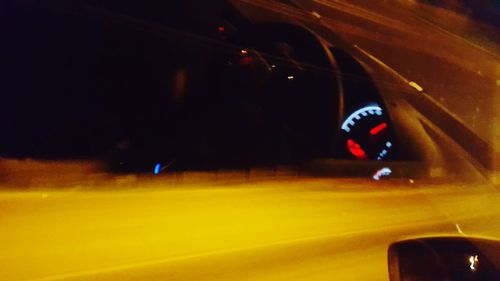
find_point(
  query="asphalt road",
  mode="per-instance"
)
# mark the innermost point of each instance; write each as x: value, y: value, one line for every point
x: 229, y: 227
x: 453, y: 58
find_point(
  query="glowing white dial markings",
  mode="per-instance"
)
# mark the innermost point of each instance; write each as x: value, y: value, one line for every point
x: 360, y: 113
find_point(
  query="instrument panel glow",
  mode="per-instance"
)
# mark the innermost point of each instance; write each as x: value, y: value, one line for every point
x: 367, y: 133
x: 358, y: 114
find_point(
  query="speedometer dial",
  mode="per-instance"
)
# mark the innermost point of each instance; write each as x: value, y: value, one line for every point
x: 367, y: 134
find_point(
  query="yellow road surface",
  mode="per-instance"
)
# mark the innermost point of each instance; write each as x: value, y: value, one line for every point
x: 288, y: 228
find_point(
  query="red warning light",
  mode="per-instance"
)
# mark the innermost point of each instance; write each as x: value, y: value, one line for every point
x: 378, y: 129
x: 221, y: 29
x: 246, y: 61
x: 356, y: 149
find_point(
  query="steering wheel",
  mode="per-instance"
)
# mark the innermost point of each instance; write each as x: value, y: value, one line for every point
x: 274, y: 101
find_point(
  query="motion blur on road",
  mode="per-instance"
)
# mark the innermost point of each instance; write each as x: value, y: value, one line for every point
x: 75, y: 222
x: 229, y: 226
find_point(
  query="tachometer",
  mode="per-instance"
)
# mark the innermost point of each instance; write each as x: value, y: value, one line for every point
x: 367, y: 134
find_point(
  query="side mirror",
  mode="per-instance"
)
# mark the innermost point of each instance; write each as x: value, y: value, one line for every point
x: 445, y: 258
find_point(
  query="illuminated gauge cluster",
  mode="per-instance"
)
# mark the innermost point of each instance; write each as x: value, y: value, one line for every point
x: 367, y: 134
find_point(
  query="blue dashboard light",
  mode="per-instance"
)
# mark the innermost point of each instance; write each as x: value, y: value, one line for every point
x: 157, y: 169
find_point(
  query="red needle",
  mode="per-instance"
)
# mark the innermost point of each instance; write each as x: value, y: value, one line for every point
x: 378, y: 129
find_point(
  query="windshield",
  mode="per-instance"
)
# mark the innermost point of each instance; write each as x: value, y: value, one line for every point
x: 242, y: 140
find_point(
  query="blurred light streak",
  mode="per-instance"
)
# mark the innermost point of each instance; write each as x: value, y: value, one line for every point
x: 316, y: 14
x: 416, y: 86
x: 473, y: 262
x: 384, y: 172
x: 157, y: 169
